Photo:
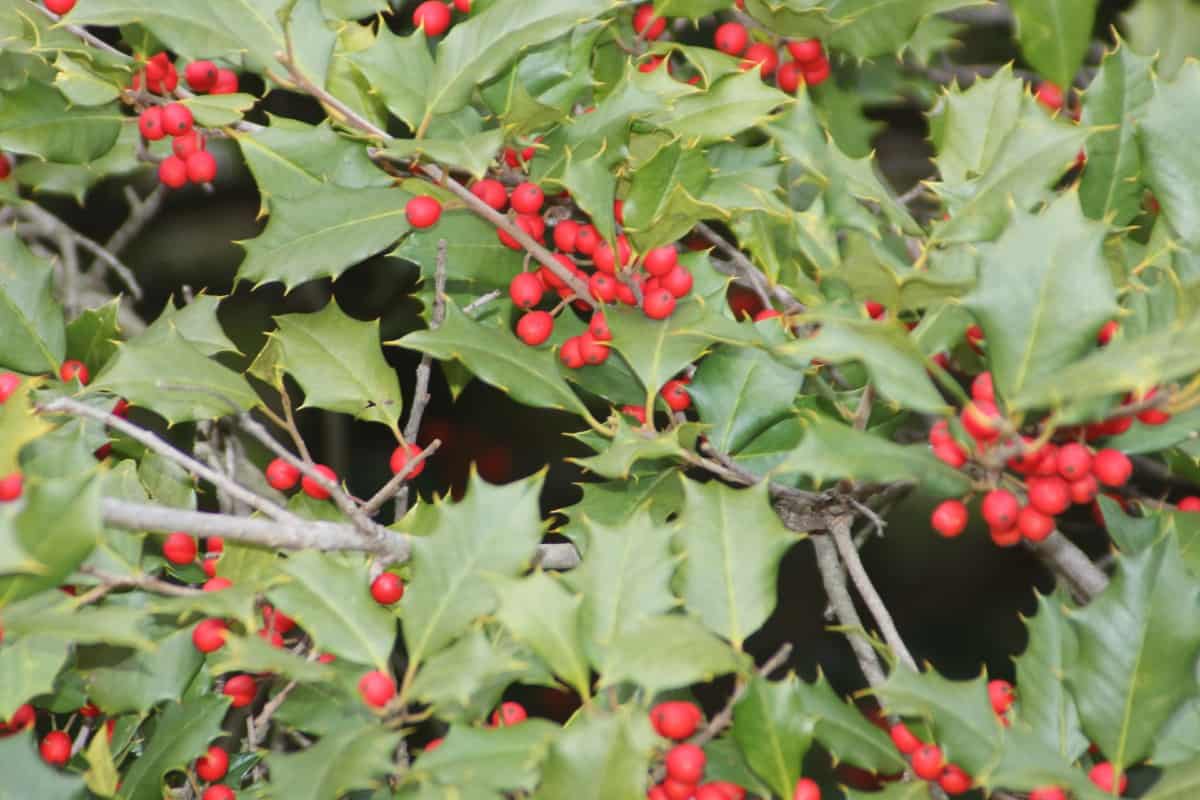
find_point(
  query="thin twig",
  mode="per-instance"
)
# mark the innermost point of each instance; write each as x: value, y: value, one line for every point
x: 52, y: 224
x: 830, y: 566
x: 147, y: 582
x: 481, y: 301
x: 82, y: 33
x: 723, y: 718
x: 397, y: 482
x: 1062, y: 556
x: 744, y: 268
x: 141, y: 211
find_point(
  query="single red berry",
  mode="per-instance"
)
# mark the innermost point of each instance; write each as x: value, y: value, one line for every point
x: 1106, y: 333
x: 213, y: 765
x: 789, y: 77
x: 646, y: 24
x: 188, y: 143
x: 281, y: 475
x: 678, y: 281
x: 179, y: 548
x: 209, y: 635
x: 676, y: 395
x: 9, y: 381
x: 904, y: 739
x: 767, y: 313
x: 277, y: 620
x: 209, y: 565
x: 525, y: 290
x: 658, y: 304
x: 535, y: 327
x: 817, y: 72
x: 705, y: 791
x: 927, y: 762
x: 11, y: 486
x: 731, y: 791
x: 1047, y: 461
x: 89, y: 711
x: 176, y: 119
x: 619, y: 211
x: 387, y: 588
x: 1104, y: 775
x: 594, y: 351
x: 954, y: 781
x: 1034, y: 525
x: 981, y: 419
x: 685, y: 763
x: 949, y: 518
x: 1051, y: 496
x: 982, y: 388
x: 201, y: 167
x: 1000, y: 509
x: 22, y: 718
x: 527, y: 198
x: 433, y: 16
x: 586, y: 240
x: 463, y: 6
x: 806, y: 51
x: 1190, y: 503
x: 806, y: 789
x: 227, y: 82
x: 200, y: 75
x: 533, y: 226
x: 763, y: 56
x: 661, y: 260
x: 315, y: 490
x: 603, y: 287
x: 403, y: 454
x: 650, y: 64
x: 598, y: 327
x: 950, y: 452
x: 571, y: 353
x: 678, y: 790
x: 173, y: 172
x: 1048, y: 793
x: 150, y: 124
x: 216, y: 584
x: 491, y: 192
x: 1074, y: 461
x: 6, y: 166
x: 1010, y: 537
x: 875, y: 310
x: 434, y: 744
x: 1050, y: 95
x: 1000, y: 694
x: 637, y: 412
x: 1112, y: 467
x: 564, y: 235
x: 731, y: 38
x: 60, y: 7
x: 241, y: 688
x: 508, y: 714
x: 56, y: 748
x: 423, y: 211
x: 1084, y: 490
x: 218, y: 791
x: 625, y: 291
x: 676, y: 719
x: 73, y: 370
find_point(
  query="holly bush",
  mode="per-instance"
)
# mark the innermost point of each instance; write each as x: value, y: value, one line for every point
x: 664, y: 229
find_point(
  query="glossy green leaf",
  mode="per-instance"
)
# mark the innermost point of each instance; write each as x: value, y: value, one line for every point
x: 731, y: 106
x: 596, y: 757
x: 39, y: 121
x: 1179, y: 740
x: 31, y: 319
x: 465, y: 681
x: 504, y: 758
x: 869, y: 28
x: 1044, y: 704
x: 26, y: 775
x: 1169, y: 29
x: 472, y: 154
x: 92, y: 336
x: 1054, y: 35
x: 772, y: 731
x: 667, y: 651
x: 740, y: 393
x: 1170, y: 166
x: 196, y: 322
x: 543, y: 615
x: 30, y: 665
x: 1177, y: 783
x: 358, y: 756
x: 844, y: 731
x: 215, y: 111
x: 122, y: 681
x: 182, y: 730
x: 82, y: 86
x: 630, y: 445
x: 476, y: 261
x: 255, y: 655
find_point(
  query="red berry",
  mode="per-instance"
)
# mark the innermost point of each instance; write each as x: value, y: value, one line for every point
x: 904, y: 739
x: 676, y: 719
x: 201, y: 75
x: 1084, y: 490
x: 56, y: 748
x: 1048, y: 793
x: 571, y: 353
x: 676, y: 395
x: 763, y: 56
x: 89, y: 711
x: 527, y: 198
x: 315, y: 490
x: 209, y: 565
x: 190, y: 142
x: 434, y: 16
x: 176, y: 119
x: 789, y: 77
x: 875, y: 310
x: 817, y: 72
x: 1074, y: 461
x: 22, y: 718
x: 173, y: 172
x: 402, y: 455
x: 586, y: 240
x: 1000, y: 509
x: 685, y: 763
x: 387, y: 589
x: 179, y: 548
x: 525, y: 290
x: 646, y: 24
x: 9, y: 381
x: 1112, y: 467
x: 1010, y: 537
x: 491, y: 192
x: 1190, y: 503
x: 954, y: 781
x: 806, y: 789
x: 678, y: 281
x: 619, y: 211
x: 927, y: 762
x: 434, y: 744
x: 201, y: 167
x: 508, y: 714
x: 731, y: 38
x: 150, y: 124
x: 981, y: 419
x: 463, y: 6
x: 73, y: 370
x: 535, y: 327
x: 241, y: 688
x: 951, y: 453
x: 209, y: 635
x: 60, y: 7
x: 281, y: 475
x: 1104, y: 775
x: 218, y: 791
x: 276, y: 619
x: 594, y: 352
x: 731, y: 791
x: 1034, y: 525
x: 1051, y: 496
x: 423, y: 211
x: 637, y: 412
x: 227, y: 82
x: 661, y: 260
x: 949, y: 518
x: 603, y: 287
x: 678, y: 790
x: 6, y: 166
x: 658, y: 304
x: 806, y: 51
x: 1050, y: 95
x: 213, y: 765
x: 982, y: 388
x: 11, y: 486
x: 564, y: 235
x: 1047, y: 461
x: 598, y: 327
x: 1000, y: 694
x: 215, y: 584
x: 1105, y: 335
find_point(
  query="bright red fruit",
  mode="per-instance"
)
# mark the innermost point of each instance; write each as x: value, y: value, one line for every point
x: 218, y: 791
x: 227, y: 82
x: 678, y: 281
x: 1000, y: 694
x: 904, y: 739
x: 982, y: 388
x: 637, y: 412
x: 817, y: 72
x: 763, y: 56
x: 676, y: 719
x: 402, y: 455
x: 807, y: 789
x: 315, y: 490
x: 658, y: 304
x: 927, y: 762
x: 592, y: 350
x: 1050, y: 95
x: 56, y: 748
x: 73, y: 370
x: 1051, y: 496
x: 190, y: 142
x: 789, y: 77
x: 508, y: 714
x: 706, y: 791
x: 981, y: 419
x: 201, y: 75
x: 209, y: 635
x: 60, y: 7
x: 678, y: 790
x: 387, y: 588
x: 216, y: 584
x: 179, y: 548
x: 535, y: 327
x: 525, y: 290
x: 209, y: 565
x: 676, y: 395
x: 949, y: 518
x: 11, y: 486
x: 201, y: 167
x: 9, y: 381
x: 1000, y: 509
x: 213, y: 765
x: 570, y: 353
x: 173, y: 172
x: 603, y: 287
x: 954, y: 781
x: 241, y: 688
x: 731, y: 38
x: 586, y: 240
x: 1006, y: 538
x: 423, y: 211
x: 1112, y: 467
x: 806, y: 51
x: 1105, y: 335
x: 176, y: 119
x: 1048, y: 793
x: 661, y: 260
x: 434, y: 16
x: 1035, y: 526
x: 527, y: 198
x: 1084, y: 490
x: 646, y: 24
x: 281, y: 475
x: 1104, y: 775
x: 950, y: 452
x: 463, y: 6
x: 564, y: 235
x: 1190, y: 503
x: 1074, y: 461
x: 685, y: 763
x: 276, y: 619
x: 491, y: 192
x: 150, y: 124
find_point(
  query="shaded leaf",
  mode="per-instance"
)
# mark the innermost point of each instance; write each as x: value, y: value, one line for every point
x: 667, y: 651
x: 772, y: 731
x: 358, y: 756
x: 31, y: 319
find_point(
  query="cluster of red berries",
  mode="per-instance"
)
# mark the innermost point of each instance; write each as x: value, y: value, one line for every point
x: 929, y: 763
x: 1053, y: 476
x: 283, y: 475
x: 685, y: 762
x: 212, y: 767
x: 434, y: 16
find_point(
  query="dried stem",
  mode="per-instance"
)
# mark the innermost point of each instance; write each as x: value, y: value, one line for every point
x: 834, y: 579
x: 52, y: 224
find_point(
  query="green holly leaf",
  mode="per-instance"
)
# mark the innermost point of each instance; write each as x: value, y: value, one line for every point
x: 182, y: 731
x: 476, y: 261
x: 1118, y: 97
x: 254, y: 654
x: 92, y: 337
x: 613, y: 503
x: 31, y: 319
x: 466, y: 680
x: 30, y: 665
x: 772, y: 731
x: 593, y: 188
x: 843, y: 730
x: 323, y: 233
x: 1168, y: 29
x: 1170, y: 167
x: 122, y: 681
x: 1177, y: 783
x: 329, y: 597
x: 493, y: 530
x: 1054, y: 35
x: 662, y: 189
x: 1138, y: 642
x: 630, y: 445
x: 1179, y: 739
x: 216, y: 111
x: 904, y: 790
x: 26, y: 775
x: 38, y: 120
x: 867, y: 28
x: 831, y: 451
x: 1040, y: 257
x: 1045, y: 707
x: 196, y: 322
x: 45, y: 615
x: 598, y: 756
x: 729, y: 107
x: 739, y: 393
x: 338, y: 362
x: 82, y: 86
x: 667, y: 651
x: 472, y: 154
x: 733, y: 542
x: 358, y: 756
x: 501, y: 759
x: 541, y: 614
